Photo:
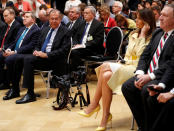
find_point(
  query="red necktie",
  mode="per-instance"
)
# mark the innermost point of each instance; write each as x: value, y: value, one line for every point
x: 154, y: 61
x: 2, y: 44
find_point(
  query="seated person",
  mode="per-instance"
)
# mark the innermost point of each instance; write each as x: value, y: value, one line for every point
x: 105, y: 17
x: 75, y: 21
x: 112, y: 75
x: 50, y: 53
x: 9, y: 35
x: 124, y: 22
x: 26, y: 38
x: 152, y: 69
x: 89, y: 38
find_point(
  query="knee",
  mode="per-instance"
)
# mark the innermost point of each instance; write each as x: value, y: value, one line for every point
x: 104, y: 67
x: 128, y: 85
x: 9, y: 60
x: 106, y: 76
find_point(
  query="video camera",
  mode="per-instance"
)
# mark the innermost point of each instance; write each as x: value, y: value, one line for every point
x: 80, y: 75
x: 62, y: 82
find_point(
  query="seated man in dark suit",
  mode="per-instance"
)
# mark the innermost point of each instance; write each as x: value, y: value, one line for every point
x: 88, y: 40
x: 152, y: 69
x: 7, y: 38
x: 75, y: 21
x: 50, y: 53
x: 24, y: 44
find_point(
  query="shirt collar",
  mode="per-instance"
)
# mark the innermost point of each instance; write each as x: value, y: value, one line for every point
x: 170, y: 32
x: 11, y: 23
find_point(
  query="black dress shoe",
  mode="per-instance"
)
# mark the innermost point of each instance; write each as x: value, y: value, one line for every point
x: 3, y: 86
x: 26, y: 99
x: 7, y: 92
x: 12, y: 94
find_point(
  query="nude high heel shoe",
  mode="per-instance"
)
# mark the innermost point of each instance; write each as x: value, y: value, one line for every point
x: 82, y: 113
x: 104, y: 128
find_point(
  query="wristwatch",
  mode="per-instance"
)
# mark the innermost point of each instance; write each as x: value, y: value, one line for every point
x: 172, y: 91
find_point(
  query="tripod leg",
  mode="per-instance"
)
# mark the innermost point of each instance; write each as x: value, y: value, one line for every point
x: 87, y: 94
x: 80, y: 99
x: 84, y: 101
x: 74, y: 101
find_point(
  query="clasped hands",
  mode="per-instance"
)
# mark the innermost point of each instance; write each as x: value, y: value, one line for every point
x: 7, y: 52
x: 40, y: 54
x: 142, y: 80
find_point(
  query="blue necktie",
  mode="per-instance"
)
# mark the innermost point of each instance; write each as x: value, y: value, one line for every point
x: 47, y: 40
x: 21, y: 38
x: 86, y: 26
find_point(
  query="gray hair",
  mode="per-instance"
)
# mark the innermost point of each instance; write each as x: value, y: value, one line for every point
x: 56, y: 11
x: 77, y: 9
x: 93, y: 10
x: 119, y: 3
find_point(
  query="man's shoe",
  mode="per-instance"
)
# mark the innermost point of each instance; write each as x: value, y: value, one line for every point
x: 12, y: 94
x: 7, y: 92
x: 3, y: 86
x: 26, y: 99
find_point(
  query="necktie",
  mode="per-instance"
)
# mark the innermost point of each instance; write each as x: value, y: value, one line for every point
x: 3, y: 40
x: 70, y: 25
x: 43, y: 49
x: 154, y: 61
x: 21, y: 38
x: 86, y: 26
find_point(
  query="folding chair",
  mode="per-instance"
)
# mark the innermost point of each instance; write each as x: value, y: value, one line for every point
x: 114, y: 40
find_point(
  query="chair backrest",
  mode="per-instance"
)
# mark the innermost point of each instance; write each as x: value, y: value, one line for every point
x: 113, y: 41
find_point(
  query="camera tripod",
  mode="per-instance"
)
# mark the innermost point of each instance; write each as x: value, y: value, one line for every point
x: 81, y: 96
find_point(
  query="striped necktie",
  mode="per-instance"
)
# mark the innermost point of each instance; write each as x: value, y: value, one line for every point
x: 154, y: 61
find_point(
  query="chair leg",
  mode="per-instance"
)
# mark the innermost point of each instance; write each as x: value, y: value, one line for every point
x: 133, y: 123
x: 48, y: 84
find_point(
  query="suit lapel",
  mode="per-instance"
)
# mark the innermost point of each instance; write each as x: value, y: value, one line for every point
x: 91, y: 27
x: 29, y: 32
x: 57, y: 37
x: 168, y: 42
x: 157, y: 41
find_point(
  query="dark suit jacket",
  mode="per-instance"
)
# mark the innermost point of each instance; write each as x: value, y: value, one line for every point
x: 12, y: 33
x: 29, y: 40
x: 165, y: 56
x: 97, y: 32
x: 75, y: 28
x: 61, y: 44
x: 2, y: 29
